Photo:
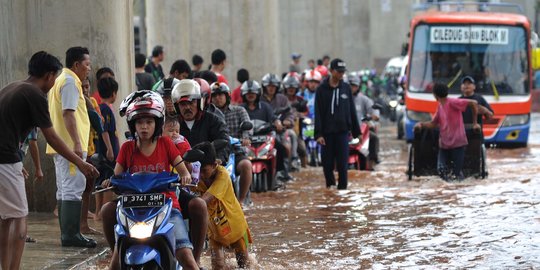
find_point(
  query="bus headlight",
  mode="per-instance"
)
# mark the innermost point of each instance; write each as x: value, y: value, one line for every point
x: 418, y: 116
x: 515, y: 120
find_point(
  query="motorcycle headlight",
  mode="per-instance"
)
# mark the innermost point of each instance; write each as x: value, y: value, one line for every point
x: 307, y: 121
x: 250, y: 153
x: 515, y: 120
x: 264, y: 150
x: 418, y: 116
x: 393, y: 103
x: 141, y: 230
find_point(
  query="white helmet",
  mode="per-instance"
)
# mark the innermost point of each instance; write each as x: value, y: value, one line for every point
x: 313, y: 75
x: 187, y: 90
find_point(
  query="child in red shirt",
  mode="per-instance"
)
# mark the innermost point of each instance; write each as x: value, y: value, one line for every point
x: 150, y: 152
x: 452, y: 137
x: 171, y: 129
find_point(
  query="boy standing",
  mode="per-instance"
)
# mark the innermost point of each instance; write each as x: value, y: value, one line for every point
x: 452, y: 138
x: 108, y: 89
x: 227, y: 224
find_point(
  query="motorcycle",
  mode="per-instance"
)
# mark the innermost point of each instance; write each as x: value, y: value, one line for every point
x: 262, y: 154
x: 359, y: 148
x: 144, y: 236
x: 312, y: 147
x: 236, y: 145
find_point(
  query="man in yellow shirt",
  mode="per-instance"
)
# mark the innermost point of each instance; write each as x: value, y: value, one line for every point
x: 227, y: 226
x: 69, y: 117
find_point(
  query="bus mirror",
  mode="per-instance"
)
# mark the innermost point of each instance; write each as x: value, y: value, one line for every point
x: 535, y: 58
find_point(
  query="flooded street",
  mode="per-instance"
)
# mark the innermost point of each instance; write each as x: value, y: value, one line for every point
x: 385, y: 221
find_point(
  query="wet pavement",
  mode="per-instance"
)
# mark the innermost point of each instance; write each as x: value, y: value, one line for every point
x: 384, y: 221
x: 47, y: 253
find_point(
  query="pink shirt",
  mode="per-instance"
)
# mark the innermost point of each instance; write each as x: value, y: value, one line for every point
x: 450, y: 121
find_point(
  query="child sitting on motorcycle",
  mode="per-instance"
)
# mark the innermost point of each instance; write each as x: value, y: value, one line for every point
x: 227, y: 224
x: 151, y: 152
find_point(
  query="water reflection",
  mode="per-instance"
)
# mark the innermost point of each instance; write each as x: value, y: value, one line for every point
x: 386, y: 222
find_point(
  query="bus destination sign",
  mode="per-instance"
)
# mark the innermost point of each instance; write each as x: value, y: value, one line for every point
x: 469, y: 35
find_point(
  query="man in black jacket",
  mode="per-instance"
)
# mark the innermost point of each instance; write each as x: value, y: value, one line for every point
x: 197, y: 125
x: 335, y: 117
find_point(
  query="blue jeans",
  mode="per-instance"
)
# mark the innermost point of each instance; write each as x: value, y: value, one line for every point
x: 180, y: 230
x: 456, y: 156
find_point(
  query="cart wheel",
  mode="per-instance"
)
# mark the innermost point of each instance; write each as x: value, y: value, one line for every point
x: 411, y: 162
x: 483, y: 169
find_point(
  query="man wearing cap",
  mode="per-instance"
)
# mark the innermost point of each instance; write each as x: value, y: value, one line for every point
x: 468, y: 88
x: 335, y: 117
x: 295, y: 64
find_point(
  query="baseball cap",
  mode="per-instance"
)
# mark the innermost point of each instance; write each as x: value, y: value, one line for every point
x: 295, y: 55
x: 338, y: 65
x: 467, y: 78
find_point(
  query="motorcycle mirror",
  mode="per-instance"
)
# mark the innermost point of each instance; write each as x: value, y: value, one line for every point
x: 283, y: 110
x: 193, y: 155
x: 246, y: 125
x: 220, y: 144
x: 377, y: 106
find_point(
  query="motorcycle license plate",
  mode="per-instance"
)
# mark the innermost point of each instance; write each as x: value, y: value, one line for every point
x: 258, y: 139
x: 143, y: 200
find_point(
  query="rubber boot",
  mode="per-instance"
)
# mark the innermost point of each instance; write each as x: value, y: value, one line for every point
x: 70, y: 224
x: 59, y: 208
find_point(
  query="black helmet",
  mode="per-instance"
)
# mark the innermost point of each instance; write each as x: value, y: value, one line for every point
x: 221, y: 88
x: 218, y: 88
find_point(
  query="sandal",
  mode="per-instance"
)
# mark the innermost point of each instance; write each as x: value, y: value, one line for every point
x: 29, y: 239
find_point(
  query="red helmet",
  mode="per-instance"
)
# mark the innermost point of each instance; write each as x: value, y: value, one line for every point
x: 205, y: 90
x: 149, y: 105
x: 313, y: 75
x: 322, y: 70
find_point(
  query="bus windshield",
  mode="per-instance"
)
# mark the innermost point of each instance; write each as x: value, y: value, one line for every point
x: 494, y: 55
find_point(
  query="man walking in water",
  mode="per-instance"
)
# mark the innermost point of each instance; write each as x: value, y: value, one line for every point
x: 335, y: 117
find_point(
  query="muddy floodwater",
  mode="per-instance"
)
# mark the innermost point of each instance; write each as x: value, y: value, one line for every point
x: 384, y: 221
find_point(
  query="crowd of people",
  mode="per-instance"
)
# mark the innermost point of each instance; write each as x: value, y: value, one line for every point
x: 167, y: 116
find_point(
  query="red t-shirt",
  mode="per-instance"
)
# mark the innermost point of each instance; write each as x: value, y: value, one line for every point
x: 97, y: 97
x: 160, y: 160
x: 221, y: 78
x: 450, y: 121
x: 182, y: 145
x: 236, y: 96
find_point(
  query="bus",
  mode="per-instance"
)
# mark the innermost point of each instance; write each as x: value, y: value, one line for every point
x: 494, y: 48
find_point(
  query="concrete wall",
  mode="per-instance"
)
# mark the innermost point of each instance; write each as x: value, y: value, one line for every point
x: 28, y: 26
x: 261, y: 35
